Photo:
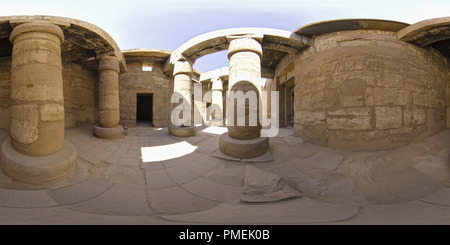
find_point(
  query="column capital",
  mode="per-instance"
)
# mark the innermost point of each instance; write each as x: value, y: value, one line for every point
x: 183, y: 67
x: 108, y: 62
x: 244, y: 44
x: 36, y: 26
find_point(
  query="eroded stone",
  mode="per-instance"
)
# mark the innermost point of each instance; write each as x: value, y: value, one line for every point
x: 261, y: 186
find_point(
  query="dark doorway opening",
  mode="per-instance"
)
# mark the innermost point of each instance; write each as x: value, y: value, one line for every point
x: 144, y: 109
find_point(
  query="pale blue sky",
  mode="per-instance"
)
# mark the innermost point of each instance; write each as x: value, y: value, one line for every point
x: 166, y: 24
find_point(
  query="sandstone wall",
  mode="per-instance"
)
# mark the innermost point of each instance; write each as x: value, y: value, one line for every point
x: 79, y: 98
x: 80, y: 86
x: 5, y: 85
x: 448, y: 94
x: 367, y: 90
x: 135, y: 81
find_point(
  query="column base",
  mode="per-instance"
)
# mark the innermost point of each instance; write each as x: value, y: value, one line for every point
x: 243, y: 148
x: 183, y: 131
x: 38, y: 169
x: 108, y: 133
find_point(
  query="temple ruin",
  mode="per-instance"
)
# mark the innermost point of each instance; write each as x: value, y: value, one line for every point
x: 352, y: 84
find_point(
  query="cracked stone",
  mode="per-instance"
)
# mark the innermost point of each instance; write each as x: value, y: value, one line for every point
x: 261, y: 186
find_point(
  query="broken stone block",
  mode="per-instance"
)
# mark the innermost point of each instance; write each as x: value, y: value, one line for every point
x: 261, y: 186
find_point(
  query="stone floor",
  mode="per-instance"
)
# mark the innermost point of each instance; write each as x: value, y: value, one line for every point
x: 150, y: 177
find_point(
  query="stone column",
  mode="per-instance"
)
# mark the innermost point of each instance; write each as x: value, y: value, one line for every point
x: 37, y: 152
x: 182, y: 78
x: 217, y: 101
x: 108, y: 99
x: 245, y: 55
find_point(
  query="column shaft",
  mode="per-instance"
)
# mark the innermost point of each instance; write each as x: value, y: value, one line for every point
x: 37, y: 153
x: 108, y: 102
x: 182, y: 76
x: 217, y: 102
x: 37, y: 103
x: 182, y: 88
x: 245, y: 76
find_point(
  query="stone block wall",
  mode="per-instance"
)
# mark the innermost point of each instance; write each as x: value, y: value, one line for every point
x: 135, y: 81
x: 5, y: 86
x: 80, y: 100
x: 448, y: 94
x: 367, y: 90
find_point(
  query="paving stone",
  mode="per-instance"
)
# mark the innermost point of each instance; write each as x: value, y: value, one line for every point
x: 176, y: 200
x: 85, y: 190
x: 264, y: 158
x: 323, y: 159
x: 213, y: 191
x: 432, y: 166
x: 173, y: 162
x: 293, y: 140
x: 196, y: 167
x: 262, y: 186
x: 121, y: 199
x: 228, y: 174
x: 120, y: 174
x: 157, y: 179
x: 441, y: 197
x: 208, y: 146
x: 440, y: 138
x: 210, y: 161
x: 408, y: 213
x: 180, y: 175
x: 69, y: 216
x: 219, y: 154
x: 26, y: 198
x: 298, y: 211
x: 285, y: 132
x: 152, y: 165
x: 126, y: 161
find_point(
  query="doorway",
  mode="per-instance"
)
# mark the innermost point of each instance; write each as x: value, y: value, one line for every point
x: 144, y: 109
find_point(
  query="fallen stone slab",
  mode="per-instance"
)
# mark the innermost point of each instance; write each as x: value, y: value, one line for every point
x: 262, y: 186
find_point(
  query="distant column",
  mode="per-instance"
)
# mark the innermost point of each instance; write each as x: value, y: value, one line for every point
x: 108, y: 99
x: 245, y: 55
x: 217, y: 101
x: 37, y: 152
x: 182, y: 78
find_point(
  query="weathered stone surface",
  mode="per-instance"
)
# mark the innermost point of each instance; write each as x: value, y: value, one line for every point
x: 310, y: 117
x: 108, y: 100
x: 371, y: 72
x: 413, y: 117
x: 38, y: 170
x: 388, y: 117
x: 374, y: 134
x: 357, y: 123
x: 243, y: 148
x: 357, y: 111
x: 52, y: 112
x: 24, y: 123
x: 261, y: 186
x: 244, y: 76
